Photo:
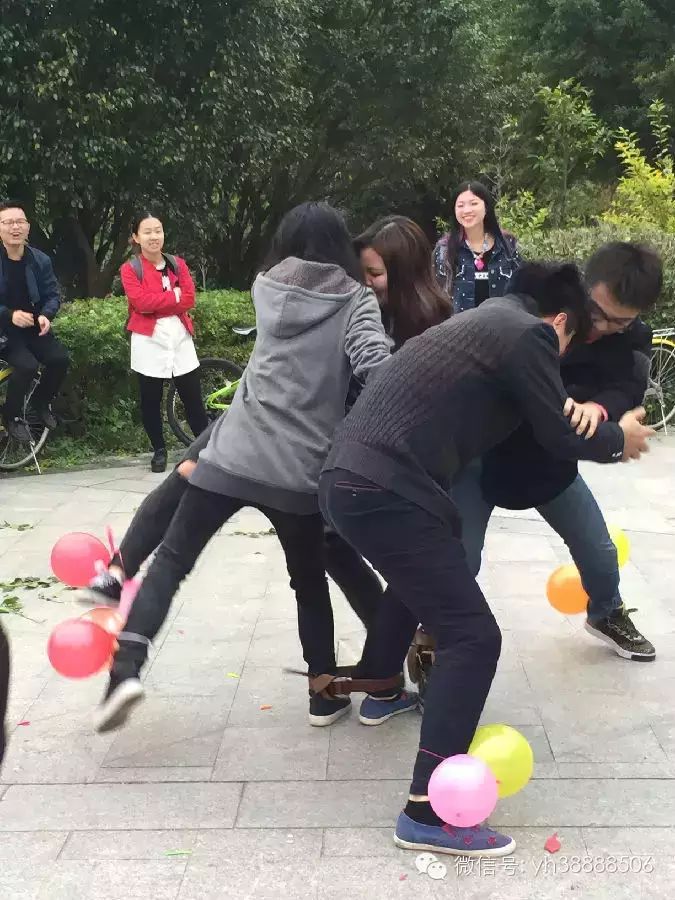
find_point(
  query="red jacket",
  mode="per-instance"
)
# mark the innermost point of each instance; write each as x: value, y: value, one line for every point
x: 149, y: 302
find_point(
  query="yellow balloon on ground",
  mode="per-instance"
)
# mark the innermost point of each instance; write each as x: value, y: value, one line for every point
x: 622, y: 545
x: 565, y: 591
x: 507, y: 754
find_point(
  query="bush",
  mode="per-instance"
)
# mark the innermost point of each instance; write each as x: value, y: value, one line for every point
x: 99, y: 404
x: 579, y: 243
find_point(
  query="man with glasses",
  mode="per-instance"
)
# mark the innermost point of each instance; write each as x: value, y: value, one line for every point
x: 605, y: 377
x: 29, y: 300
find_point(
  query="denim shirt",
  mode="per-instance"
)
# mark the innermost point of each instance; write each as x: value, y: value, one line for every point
x: 504, y: 260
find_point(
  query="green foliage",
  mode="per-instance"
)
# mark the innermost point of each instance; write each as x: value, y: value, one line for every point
x: 645, y: 195
x: 568, y: 139
x: 99, y: 404
x: 522, y: 215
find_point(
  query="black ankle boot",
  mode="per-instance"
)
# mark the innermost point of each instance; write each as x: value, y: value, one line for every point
x: 158, y: 461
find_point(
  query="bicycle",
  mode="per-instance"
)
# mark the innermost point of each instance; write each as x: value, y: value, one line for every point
x: 17, y: 454
x: 660, y: 396
x: 219, y: 379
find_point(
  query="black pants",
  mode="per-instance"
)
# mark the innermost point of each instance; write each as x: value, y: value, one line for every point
x: 4, y: 687
x: 189, y: 391
x: 423, y: 562
x: 199, y: 516
x: 26, y: 351
x: 349, y: 571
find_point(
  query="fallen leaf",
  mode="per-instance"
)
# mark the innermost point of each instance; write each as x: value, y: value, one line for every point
x: 266, y: 706
x: 25, y: 722
x: 232, y: 675
x: 402, y: 877
x: 178, y: 853
x: 552, y: 844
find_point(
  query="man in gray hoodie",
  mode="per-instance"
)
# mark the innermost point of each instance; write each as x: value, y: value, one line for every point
x: 317, y: 324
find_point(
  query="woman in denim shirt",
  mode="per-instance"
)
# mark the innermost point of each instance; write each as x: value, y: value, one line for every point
x: 475, y: 259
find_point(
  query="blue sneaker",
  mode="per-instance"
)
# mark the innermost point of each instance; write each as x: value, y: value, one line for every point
x: 375, y: 712
x: 477, y: 841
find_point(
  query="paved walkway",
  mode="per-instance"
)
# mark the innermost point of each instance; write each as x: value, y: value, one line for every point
x: 218, y: 788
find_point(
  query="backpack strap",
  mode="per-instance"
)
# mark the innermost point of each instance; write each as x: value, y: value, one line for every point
x: 172, y: 263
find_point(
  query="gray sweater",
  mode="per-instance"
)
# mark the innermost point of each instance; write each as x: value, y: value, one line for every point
x: 316, y: 326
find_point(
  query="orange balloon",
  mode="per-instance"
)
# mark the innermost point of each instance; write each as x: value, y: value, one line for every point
x: 106, y: 618
x: 565, y: 591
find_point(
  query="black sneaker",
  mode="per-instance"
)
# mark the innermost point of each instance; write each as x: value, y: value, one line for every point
x: 122, y: 695
x: 622, y: 636
x: 158, y: 461
x: 18, y: 430
x: 325, y: 710
x: 46, y: 416
x: 103, y: 590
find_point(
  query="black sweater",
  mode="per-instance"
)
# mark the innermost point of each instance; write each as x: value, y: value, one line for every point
x: 612, y: 371
x: 453, y: 393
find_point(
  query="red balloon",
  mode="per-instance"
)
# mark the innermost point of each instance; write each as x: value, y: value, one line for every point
x: 78, y: 649
x: 74, y: 558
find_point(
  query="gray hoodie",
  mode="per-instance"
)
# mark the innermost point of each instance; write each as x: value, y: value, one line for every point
x: 316, y: 326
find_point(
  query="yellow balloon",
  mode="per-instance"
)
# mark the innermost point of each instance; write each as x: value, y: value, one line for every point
x: 507, y: 754
x: 621, y: 543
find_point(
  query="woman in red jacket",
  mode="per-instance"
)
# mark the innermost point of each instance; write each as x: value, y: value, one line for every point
x: 160, y: 291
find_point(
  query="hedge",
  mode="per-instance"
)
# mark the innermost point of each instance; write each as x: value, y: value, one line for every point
x: 99, y: 404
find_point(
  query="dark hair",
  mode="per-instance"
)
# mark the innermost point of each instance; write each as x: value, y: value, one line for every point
x: 140, y: 217
x: 415, y: 302
x: 315, y: 232
x: 455, y: 232
x: 633, y: 273
x: 12, y: 204
x: 555, y: 288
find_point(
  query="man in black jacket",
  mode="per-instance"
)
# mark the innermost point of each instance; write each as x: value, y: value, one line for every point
x: 29, y: 300
x: 603, y: 378
x: 445, y: 398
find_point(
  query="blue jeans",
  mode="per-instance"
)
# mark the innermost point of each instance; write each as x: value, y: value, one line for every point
x: 574, y: 515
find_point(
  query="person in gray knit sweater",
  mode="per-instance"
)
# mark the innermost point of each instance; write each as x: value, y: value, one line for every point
x: 317, y: 324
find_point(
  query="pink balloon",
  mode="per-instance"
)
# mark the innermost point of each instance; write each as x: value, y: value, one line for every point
x: 462, y: 791
x: 75, y: 557
x: 78, y: 649
x: 129, y: 591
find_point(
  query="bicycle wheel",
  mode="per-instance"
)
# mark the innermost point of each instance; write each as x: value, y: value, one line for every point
x: 16, y: 454
x: 219, y: 380
x: 660, y: 396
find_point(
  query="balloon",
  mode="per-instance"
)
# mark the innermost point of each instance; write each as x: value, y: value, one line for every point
x: 78, y: 649
x: 507, y: 754
x: 129, y: 591
x: 462, y: 790
x: 565, y: 591
x: 75, y: 557
x: 622, y: 544
x: 109, y: 619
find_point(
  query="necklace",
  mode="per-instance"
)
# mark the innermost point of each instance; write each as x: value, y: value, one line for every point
x: 478, y: 260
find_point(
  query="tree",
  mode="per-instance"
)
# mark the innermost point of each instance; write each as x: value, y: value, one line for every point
x: 105, y: 108
x: 570, y: 136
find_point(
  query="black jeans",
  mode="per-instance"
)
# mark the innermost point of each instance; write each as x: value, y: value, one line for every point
x: 422, y: 560
x: 190, y: 393
x: 199, y: 515
x: 26, y: 351
x: 4, y: 687
x: 354, y: 577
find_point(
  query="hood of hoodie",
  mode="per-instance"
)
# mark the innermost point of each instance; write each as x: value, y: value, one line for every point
x: 296, y: 296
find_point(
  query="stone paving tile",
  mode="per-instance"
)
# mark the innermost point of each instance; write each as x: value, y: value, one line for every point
x: 170, y: 731
x: 35, y: 846
x: 152, y: 774
x: 272, y: 754
x: 241, y: 881
x: 239, y: 845
x: 111, y: 806
x: 119, y: 880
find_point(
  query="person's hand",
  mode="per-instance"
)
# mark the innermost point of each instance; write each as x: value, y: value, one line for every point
x: 584, y: 417
x: 22, y: 319
x: 635, y: 434
x: 44, y: 324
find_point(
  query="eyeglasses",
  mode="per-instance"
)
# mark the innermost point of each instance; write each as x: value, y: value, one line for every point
x: 9, y: 223
x: 599, y: 315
